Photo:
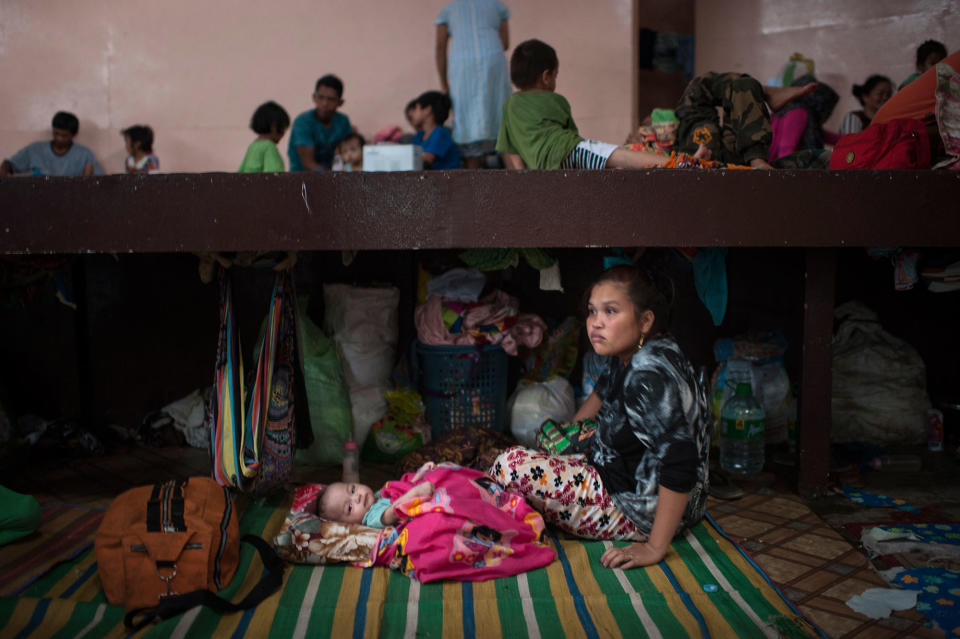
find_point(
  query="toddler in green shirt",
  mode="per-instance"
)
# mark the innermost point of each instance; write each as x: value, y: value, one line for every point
x: 270, y: 121
x: 537, y: 130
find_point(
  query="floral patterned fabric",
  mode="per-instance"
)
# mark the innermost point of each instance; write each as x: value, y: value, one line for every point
x: 566, y: 490
x: 306, y: 538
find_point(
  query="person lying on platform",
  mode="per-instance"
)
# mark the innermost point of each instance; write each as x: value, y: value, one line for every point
x: 60, y: 156
x: 537, y: 129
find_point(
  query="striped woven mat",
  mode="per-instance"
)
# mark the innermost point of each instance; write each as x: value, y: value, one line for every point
x: 64, y: 532
x: 706, y: 587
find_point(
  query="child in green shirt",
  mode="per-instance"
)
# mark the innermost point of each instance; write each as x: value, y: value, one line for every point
x: 270, y: 121
x: 537, y: 130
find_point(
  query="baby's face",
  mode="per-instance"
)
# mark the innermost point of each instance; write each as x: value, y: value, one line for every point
x: 347, y: 503
x: 351, y: 151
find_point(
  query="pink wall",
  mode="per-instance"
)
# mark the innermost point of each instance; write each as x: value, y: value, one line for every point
x: 195, y: 71
x: 848, y: 40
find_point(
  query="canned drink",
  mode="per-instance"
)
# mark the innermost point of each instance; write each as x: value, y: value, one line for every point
x: 934, y: 429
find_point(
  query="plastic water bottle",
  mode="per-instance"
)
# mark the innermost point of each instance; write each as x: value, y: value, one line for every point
x: 742, y: 433
x: 351, y: 462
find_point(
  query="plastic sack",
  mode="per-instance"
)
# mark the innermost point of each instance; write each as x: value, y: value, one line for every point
x: 402, y: 430
x: 363, y: 324
x: 327, y: 397
x: 879, y: 382
x: 534, y: 402
x: 756, y: 359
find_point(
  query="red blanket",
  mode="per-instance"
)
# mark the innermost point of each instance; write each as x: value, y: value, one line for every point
x: 471, y: 529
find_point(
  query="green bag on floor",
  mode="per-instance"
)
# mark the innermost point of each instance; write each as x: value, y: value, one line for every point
x: 328, y: 400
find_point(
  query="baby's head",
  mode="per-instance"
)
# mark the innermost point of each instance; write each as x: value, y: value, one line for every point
x: 430, y: 103
x: 929, y: 54
x: 351, y: 149
x: 346, y: 503
x: 270, y: 119
x: 534, y: 65
x: 138, y: 137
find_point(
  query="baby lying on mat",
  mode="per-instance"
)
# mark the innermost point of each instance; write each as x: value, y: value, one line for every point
x: 442, y: 522
x: 357, y: 503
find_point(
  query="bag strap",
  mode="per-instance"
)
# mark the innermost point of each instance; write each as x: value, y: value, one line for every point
x: 270, y: 581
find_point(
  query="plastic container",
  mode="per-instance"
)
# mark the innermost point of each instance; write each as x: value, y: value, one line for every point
x: 351, y: 462
x: 742, y: 433
x: 898, y: 463
x: 463, y: 386
x: 934, y: 430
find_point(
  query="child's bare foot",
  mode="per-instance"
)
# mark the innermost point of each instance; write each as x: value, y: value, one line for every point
x: 760, y: 163
x: 703, y: 153
x: 778, y: 97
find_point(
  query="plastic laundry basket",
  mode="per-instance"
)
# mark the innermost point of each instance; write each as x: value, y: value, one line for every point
x: 463, y: 386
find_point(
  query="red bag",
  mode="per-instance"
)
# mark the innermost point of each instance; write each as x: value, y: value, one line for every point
x: 897, y: 144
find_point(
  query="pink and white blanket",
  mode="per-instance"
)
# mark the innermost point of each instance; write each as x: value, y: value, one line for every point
x: 471, y: 529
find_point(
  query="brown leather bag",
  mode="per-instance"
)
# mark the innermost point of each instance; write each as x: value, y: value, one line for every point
x: 165, y: 548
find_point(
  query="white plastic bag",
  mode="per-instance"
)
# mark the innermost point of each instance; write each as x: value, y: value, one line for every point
x: 534, y: 402
x: 363, y: 324
x: 879, y: 382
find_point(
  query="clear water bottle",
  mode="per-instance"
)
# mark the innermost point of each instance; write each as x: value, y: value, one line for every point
x: 742, y: 433
x: 351, y: 462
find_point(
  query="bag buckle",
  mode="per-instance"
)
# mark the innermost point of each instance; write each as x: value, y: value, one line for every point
x: 167, y: 579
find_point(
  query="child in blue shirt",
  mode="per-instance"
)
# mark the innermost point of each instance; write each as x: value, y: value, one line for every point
x: 427, y: 116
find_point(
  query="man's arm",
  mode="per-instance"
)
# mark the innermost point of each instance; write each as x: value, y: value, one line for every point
x: 513, y: 161
x: 443, y: 36
x: 6, y: 168
x: 505, y: 34
x: 306, y: 158
x: 88, y: 168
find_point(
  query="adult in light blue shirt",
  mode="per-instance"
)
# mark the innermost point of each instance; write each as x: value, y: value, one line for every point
x: 472, y: 36
x: 60, y: 156
x: 316, y: 133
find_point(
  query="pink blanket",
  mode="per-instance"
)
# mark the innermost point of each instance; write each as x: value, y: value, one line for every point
x: 470, y: 530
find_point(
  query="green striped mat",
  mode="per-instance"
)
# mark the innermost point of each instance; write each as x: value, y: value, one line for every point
x: 705, y: 587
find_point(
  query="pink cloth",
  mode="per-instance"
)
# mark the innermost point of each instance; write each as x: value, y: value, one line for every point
x: 787, y: 132
x: 470, y: 530
x: 497, y: 308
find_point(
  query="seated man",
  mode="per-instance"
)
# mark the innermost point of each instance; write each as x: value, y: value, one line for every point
x: 316, y: 133
x: 60, y: 156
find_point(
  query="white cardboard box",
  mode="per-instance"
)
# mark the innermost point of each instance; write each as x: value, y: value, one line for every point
x: 392, y: 157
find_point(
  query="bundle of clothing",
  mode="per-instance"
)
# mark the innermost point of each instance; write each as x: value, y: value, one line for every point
x: 494, y: 319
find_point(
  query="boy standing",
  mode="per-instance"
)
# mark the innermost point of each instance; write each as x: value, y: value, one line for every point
x: 537, y: 130
x: 317, y: 132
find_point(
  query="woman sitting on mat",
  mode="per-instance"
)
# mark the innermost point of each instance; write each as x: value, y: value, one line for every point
x: 643, y: 472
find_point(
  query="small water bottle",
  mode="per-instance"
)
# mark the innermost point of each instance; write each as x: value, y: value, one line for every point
x: 742, y: 433
x: 351, y: 462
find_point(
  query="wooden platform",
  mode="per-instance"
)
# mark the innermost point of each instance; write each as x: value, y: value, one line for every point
x: 814, y: 210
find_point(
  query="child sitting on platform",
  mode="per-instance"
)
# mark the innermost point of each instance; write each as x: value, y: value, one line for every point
x: 537, y: 130
x: 270, y: 121
x: 349, y: 155
x: 139, y: 142
x: 430, y: 111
